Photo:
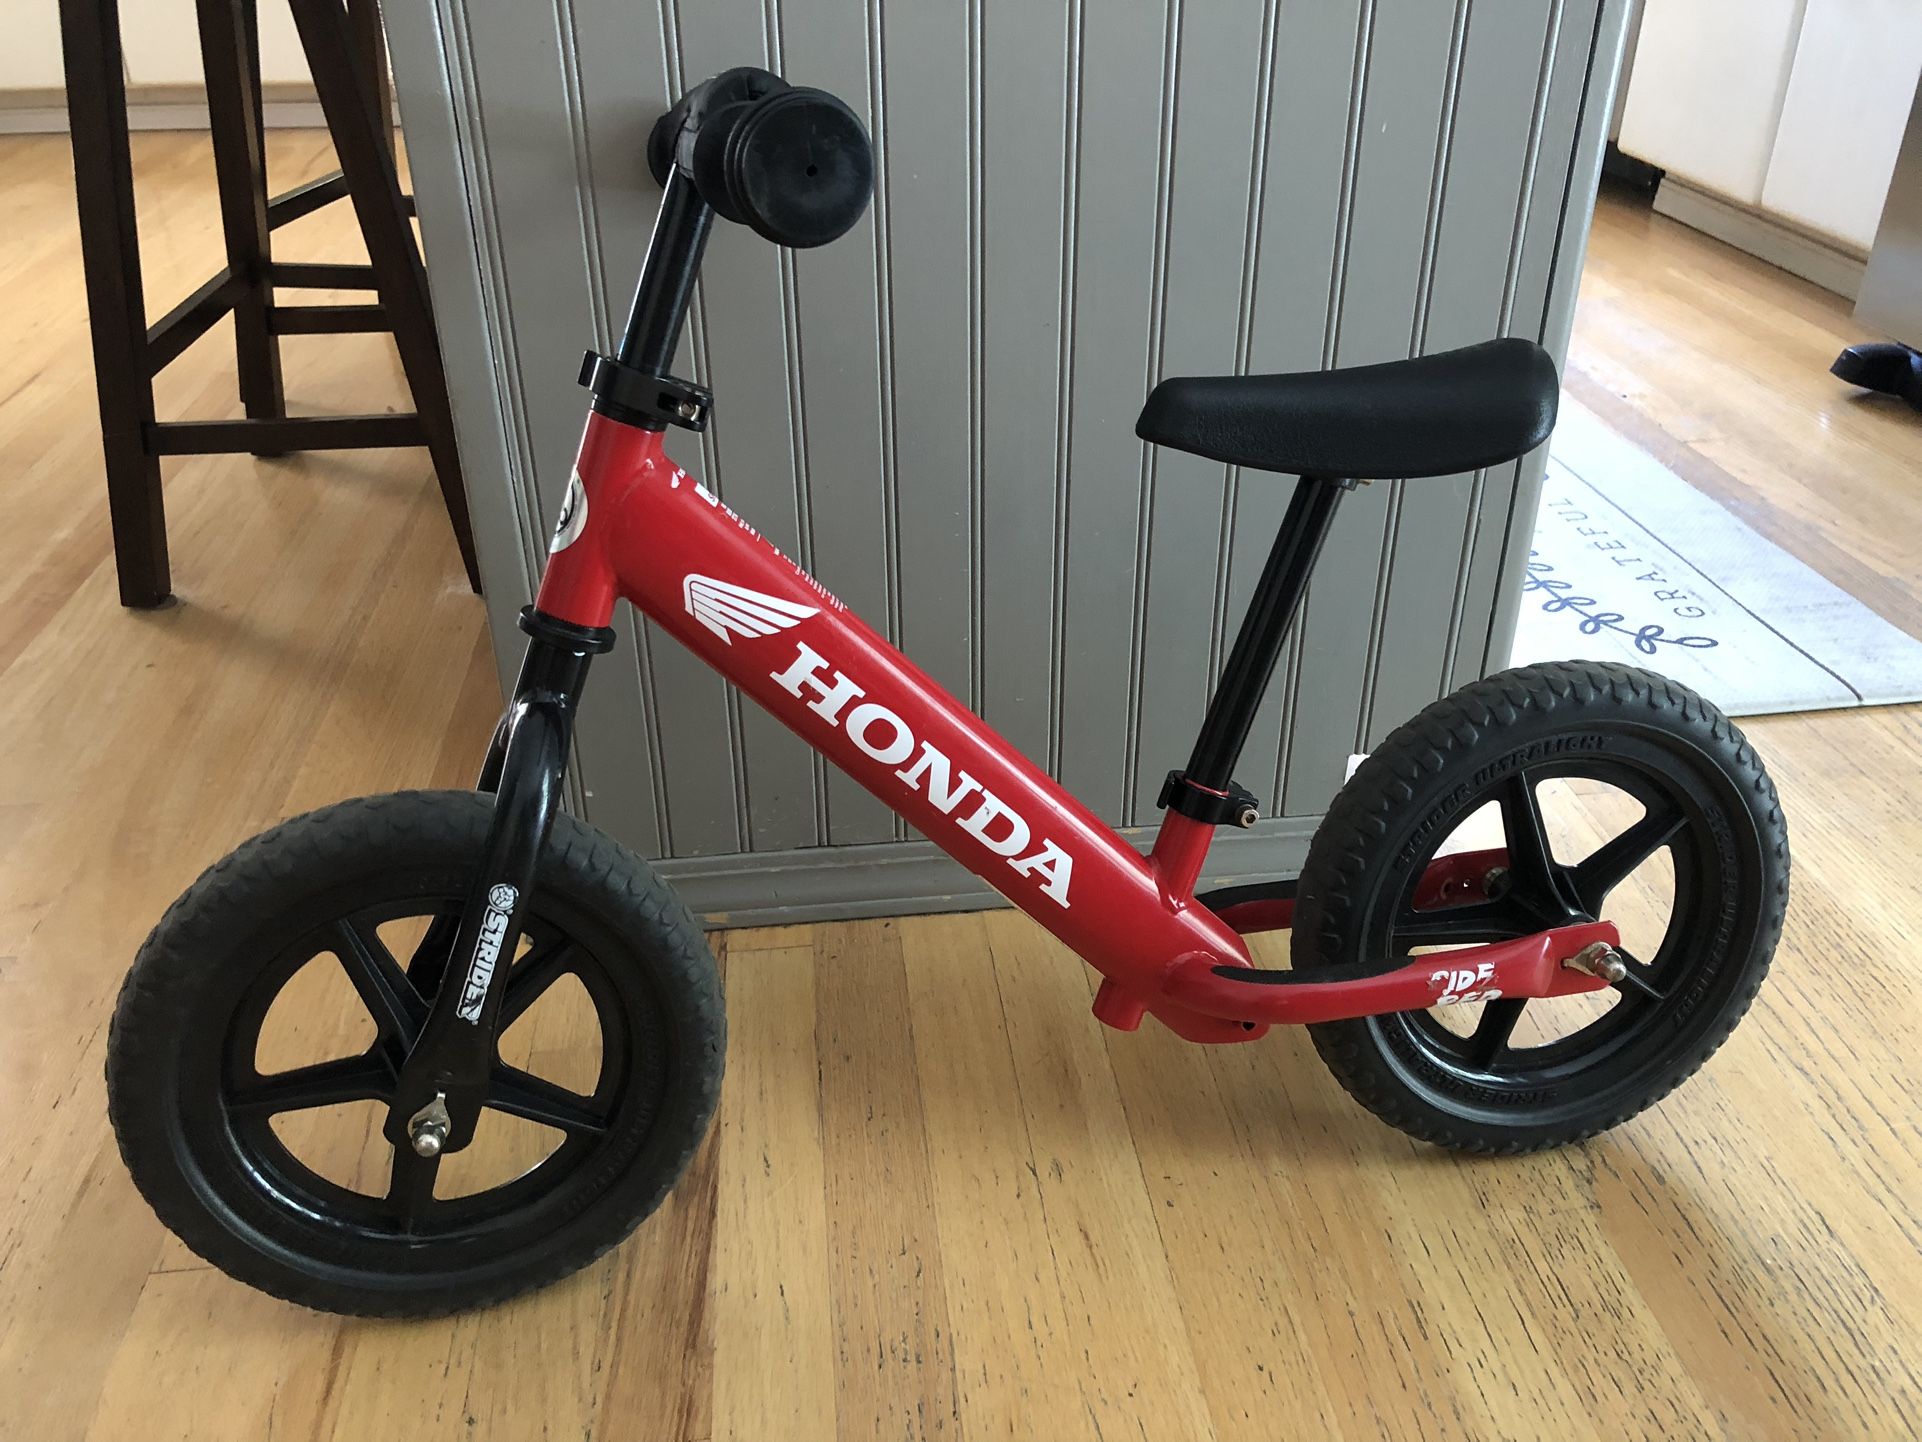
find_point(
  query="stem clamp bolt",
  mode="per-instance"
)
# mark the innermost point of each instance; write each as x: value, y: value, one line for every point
x: 428, y: 1127
x: 1598, y: 959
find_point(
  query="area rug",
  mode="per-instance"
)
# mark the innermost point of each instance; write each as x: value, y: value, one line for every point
x: 1630, y: 563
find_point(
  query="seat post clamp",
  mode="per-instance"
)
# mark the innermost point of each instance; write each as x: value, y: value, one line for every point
x: 1237, y: 806
x: 639, y: 398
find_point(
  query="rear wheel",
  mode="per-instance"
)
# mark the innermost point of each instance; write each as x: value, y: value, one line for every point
x: 1617, y: 795
x: 260, y: 1033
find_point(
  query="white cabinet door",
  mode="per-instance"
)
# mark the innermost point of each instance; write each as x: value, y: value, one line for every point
x: 1706, y: 90
x: 1848, y: 100
x: 162, y: 43
x: 30, y: 60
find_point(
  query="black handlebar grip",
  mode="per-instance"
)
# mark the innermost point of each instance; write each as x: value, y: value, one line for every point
x: 698, y: 111
x: 798, y: 167
x: 661, y: 141
x: 791, y: 163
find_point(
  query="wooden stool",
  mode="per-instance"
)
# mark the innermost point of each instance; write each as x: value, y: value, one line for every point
x: 346, y: 54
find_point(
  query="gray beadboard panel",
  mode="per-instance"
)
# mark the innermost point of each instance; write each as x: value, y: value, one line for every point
x: 544, y: 243
x: 738, y: 348
x: 1580, y: 72
x: 1409, y: 63
x: 740, y: 335
x: 1568, y: 70
x: 837, y: 292
x: 928, y: 241
x: 541, y: 238
x: 1024, y: 63
x: 1494, y: 111
x: 1584, y: 69
x: 627, y: 736
x: 1467, y: 248
x: 1124, y: 54
x: 1217, y: 97
x: 1484, y: 544
x: 1314, y: 59
x: 617, y: 739
x: 936, y: 413
x: 1490, y: 529
x: 1591, y: 43
x: 440, y: 104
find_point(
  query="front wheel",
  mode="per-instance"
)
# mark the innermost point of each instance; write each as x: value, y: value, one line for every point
x: 1597, y: 793
x: 258, y: 1038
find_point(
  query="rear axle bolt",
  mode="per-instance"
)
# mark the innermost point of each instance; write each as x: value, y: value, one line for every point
x: 1599, y: 959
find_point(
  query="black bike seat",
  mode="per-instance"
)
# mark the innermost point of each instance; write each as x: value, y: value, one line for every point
x: 1436, y: 415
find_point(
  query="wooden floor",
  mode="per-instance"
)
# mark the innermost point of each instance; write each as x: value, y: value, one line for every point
x: 941, y: 1201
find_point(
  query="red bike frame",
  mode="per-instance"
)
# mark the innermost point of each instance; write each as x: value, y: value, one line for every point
x: 638, y: 526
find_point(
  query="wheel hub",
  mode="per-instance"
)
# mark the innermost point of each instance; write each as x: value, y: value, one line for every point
x: 427, y: 1128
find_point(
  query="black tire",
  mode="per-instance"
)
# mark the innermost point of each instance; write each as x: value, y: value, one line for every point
x: 1730, y: 850
x: 239, y: 932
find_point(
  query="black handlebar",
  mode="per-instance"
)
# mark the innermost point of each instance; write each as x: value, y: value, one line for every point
x: 791, y: 163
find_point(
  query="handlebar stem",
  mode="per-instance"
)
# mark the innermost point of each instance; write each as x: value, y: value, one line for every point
x: 667, y: 277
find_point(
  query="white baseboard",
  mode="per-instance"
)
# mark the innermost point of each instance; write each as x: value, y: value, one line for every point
x: 157, y: 107
x: 1825, y: 262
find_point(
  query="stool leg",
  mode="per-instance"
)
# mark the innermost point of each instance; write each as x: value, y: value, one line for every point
x: 368, y: 165
x: 370, y: 43
x: 116, y: 303
x: 229, y: 49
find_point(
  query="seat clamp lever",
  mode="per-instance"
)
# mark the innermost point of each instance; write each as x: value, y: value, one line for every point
x: 1237, y: 806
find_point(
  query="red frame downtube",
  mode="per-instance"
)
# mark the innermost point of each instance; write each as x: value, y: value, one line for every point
x: 637, y: 526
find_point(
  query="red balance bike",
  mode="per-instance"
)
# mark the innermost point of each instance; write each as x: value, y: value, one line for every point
x: 1415, y: 955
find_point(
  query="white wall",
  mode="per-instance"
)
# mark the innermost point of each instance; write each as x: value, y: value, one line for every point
x: 30, y: 60
x: 1793, y: 108
x: 159, y: 37
x: 1706, y: 92
x: 1842, y: 118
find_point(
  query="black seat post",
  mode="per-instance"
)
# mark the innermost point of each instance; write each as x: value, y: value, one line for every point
x: 1251, y: 661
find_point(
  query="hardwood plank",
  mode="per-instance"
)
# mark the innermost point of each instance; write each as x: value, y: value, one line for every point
x: 1111, y: 1261
x: 190, y: 1325
x: 895, y: 1365
x: 654, y: 1363
x: 72, y: 1279
x: 1004, y: 1308
x: 770, y: 1291
x: 1032, y: 1363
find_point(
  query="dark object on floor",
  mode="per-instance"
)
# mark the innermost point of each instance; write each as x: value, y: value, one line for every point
x: 1635, y: 173
x: 346, y: 54
x: 1894, y: 370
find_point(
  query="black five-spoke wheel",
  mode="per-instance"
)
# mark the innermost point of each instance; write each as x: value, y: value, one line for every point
x: 397, y: 998
x: 1536, y: 892
x: 211, y: 1128
x: 1690, y: 802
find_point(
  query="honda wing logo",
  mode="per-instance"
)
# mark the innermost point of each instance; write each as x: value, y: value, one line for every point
x: 722, y: 606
